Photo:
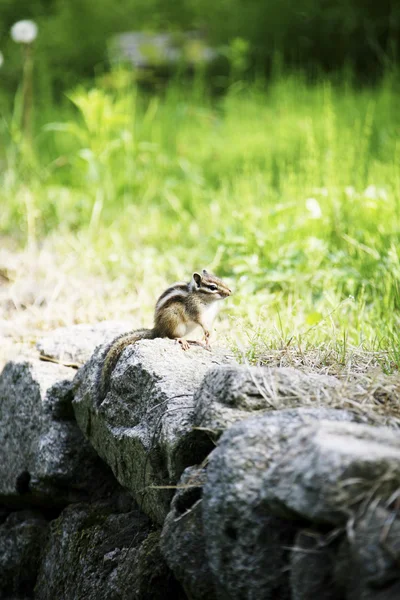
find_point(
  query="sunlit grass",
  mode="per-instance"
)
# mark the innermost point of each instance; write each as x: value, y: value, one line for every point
x: 289, y: 189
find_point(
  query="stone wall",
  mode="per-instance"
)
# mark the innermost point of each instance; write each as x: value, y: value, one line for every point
x: 195, y: 478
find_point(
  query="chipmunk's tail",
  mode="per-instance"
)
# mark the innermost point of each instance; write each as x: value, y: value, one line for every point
x: 109, y: 357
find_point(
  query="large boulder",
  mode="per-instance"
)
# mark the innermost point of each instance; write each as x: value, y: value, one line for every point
x: 44, y: 457
x: 97, y: 551
x: 141, y: 428
x: 247, y: 543
x: 232, y: 393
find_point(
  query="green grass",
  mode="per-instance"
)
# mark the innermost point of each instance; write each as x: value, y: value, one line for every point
x: 290, y: 189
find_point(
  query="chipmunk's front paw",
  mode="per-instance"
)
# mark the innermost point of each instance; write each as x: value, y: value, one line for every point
x: 184, y: 343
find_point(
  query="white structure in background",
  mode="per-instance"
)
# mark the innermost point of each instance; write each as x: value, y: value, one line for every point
x: 1, y: 59
x: 144, y: 49
x: 24, y: 32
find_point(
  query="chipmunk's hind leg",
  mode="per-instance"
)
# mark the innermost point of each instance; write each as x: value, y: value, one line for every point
x: 187, y: 343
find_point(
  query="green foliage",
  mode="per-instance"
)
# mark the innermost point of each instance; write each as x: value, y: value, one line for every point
x: 292, y: 190
x: 74, y: 35
x: 310, y: 33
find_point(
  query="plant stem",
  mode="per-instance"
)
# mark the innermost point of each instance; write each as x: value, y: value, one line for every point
x: 27, y: 92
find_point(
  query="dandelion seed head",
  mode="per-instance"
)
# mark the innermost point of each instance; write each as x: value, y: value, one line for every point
x: 24, y: 32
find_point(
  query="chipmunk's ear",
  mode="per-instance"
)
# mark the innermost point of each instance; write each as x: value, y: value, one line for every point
x: 205, y: 272
x: 197, y: 279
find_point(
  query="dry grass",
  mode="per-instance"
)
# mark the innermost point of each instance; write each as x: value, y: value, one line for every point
x: 357, y: 381
x: 40, y: 291
x: 326, y: 361
x: 364, y: 384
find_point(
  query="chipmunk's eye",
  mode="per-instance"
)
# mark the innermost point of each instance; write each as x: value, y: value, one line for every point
x: 212, y: 287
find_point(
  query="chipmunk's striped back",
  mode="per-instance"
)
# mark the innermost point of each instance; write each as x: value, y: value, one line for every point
x: 177, y: 291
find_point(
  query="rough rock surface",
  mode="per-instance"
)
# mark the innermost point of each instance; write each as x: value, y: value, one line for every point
x: 182, y: 538
x: 246, y: 543
x: 21, y: 538
x: 140, y: 427
x: 94, y: 551
x: 75, y: 345
x: 232, y: 393
x: 328, y: 467
x: 44, y: 457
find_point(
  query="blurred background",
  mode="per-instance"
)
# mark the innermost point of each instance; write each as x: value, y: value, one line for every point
x: 141, y: 140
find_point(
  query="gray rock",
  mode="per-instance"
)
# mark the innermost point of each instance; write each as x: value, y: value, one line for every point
x: 246, y: 544
x: 95, y: 552
x: 74, y: 345
x: 141, y: 427
x: 312, y: 567
x: 44, y: 457
x: 21, y: 538
x: 182, y: 538
x: 328, y: 468
x: 233, y: 393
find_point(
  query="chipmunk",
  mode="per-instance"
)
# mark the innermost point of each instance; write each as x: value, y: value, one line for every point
x: 181, y: 308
